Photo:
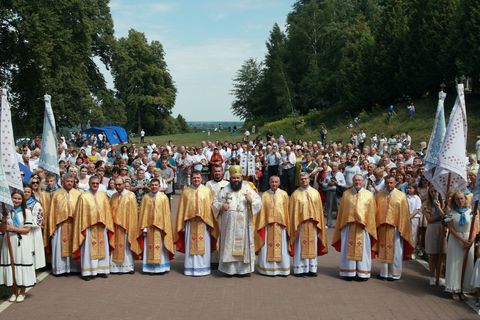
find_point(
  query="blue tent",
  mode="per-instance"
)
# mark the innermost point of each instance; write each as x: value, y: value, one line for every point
x: 121, y: 133
x: 114, y: 134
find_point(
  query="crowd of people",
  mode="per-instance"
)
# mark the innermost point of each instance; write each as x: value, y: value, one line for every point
x: 269, y: 198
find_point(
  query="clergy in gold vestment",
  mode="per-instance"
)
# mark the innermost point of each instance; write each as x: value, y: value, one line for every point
x: 156, y: 225
x: 237, y: 204
x: 356, y: 231
x: 271, y: 238
x: 394, y: 230
x: 196, y: 230
x: 59, y: 227
x: 91, y: 227
x: 126, y: 230
x: 308, y: 236
x: 46, y: 200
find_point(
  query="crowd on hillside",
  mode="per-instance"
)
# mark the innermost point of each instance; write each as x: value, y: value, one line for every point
x: 330, y: 166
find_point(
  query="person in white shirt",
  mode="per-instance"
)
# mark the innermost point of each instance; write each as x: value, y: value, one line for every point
x: 333, y: 185
x: 414, y: 205
x: 288, y: 170
x: 351, y: 170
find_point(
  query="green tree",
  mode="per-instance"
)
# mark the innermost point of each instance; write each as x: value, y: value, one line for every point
x: 466, y: 40
x: 245, y: 82
x: 274, y: 94
x: 390, y: 42
x: 354, y: 82
x: 143, y: 82
x: 427, y: 59
x: 182, y: 124
x: 51, y: 49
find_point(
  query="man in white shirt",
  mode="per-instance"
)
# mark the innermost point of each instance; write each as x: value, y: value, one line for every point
x: 408, y: 159
x: 351, y: 170
x: 288, y: 170
x: 333, y: 185
x: 373, y: 157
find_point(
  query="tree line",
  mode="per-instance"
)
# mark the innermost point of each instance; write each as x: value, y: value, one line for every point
x: 55, y: 47
x: 354, y: 54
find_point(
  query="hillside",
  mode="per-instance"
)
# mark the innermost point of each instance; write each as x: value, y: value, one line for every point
x: 375, y: 121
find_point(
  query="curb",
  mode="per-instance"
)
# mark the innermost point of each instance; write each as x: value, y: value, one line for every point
x: 469, y: 302
x: 40, y: 277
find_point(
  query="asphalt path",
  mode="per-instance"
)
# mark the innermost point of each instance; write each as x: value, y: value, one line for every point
x: 175, y: 296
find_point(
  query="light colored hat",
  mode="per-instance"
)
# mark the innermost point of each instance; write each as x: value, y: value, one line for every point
x: 235, y: 171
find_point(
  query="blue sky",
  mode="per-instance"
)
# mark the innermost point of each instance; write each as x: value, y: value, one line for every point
x: 206, y: 42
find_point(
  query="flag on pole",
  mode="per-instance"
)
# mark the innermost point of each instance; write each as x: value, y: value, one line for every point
x: 48, y: 156
x: 436, y: 138
x: 4, y: 189
x: 451, y: 158
x: 7, y: 146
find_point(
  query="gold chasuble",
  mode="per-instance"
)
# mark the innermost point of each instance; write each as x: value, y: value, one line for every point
x: 357, y: 209
x: 392, y: 212
x: 273, y: 216
x: 93, y: 212
x: 62, y: 210
x: 195, y: 205
x: 155, y: 217
x: 306, y: 213
x: 45, y: 200
x: 125, y: 221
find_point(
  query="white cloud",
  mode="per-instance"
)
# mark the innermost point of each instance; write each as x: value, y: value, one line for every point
x: 223, y: 9
x: 129, y: 9
x: 162, y: 7
x: 203, y: 75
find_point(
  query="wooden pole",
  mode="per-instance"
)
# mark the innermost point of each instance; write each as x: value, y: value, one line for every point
x: 466, y: 250
x: 10, y: 250
x: 441, y: 255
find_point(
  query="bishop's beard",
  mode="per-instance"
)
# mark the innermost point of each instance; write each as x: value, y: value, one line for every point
x: 236, y: 185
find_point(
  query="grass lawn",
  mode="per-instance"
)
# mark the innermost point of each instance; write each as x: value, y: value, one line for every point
x: 336, y: 122
x: 375, y: 120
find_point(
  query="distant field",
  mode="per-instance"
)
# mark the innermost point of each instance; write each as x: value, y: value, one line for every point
x: 190, y: 139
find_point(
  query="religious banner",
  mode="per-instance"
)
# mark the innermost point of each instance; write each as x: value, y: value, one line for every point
x: 7, y: 146
x: 436, y: 138
x: 4, y: 189
x: 452, y: 161
x: 48, y: 157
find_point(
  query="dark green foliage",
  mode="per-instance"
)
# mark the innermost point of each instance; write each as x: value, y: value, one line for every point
x: 143, y: 83
x: 355, y: 54
x: 54, y: 47
x: 49, y: 47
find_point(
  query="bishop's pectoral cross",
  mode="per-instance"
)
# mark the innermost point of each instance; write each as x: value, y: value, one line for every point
x: 227, y: 198
x: 226, y: 201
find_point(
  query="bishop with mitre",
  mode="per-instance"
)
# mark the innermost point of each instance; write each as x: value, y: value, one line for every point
x: 237, y: 204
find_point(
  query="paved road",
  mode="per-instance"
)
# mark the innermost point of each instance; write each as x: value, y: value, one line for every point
x: 174, y: 296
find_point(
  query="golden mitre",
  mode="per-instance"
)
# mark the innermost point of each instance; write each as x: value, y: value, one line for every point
x: 235, y: 171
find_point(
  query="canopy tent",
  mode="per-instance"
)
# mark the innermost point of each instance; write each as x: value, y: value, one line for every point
x: 114, y: 134
x: 121, y: 133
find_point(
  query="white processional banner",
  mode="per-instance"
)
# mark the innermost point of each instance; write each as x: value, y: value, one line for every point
x: 436, y: 138
x: 452, y: 159
x: 7, y: 146
x: 49, y: 155
x: 4, y: 189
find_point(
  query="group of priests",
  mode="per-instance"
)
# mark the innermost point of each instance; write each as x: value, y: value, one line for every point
x: 225, y: 222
